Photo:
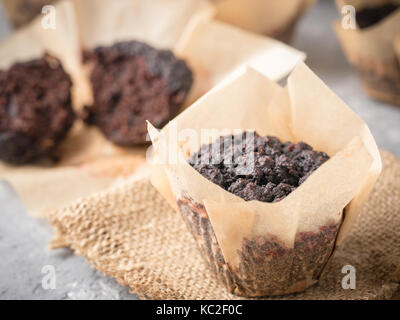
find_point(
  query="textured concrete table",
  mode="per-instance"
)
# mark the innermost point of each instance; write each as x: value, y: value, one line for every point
x: 23, y: 239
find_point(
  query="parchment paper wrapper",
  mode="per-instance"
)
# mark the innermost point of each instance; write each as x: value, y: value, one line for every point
x: 86, y: 155
x: 276, y: 19
x: 21, y: 12
x: 159, y: 23
x: 371, y: 51
x: 258, y: 248
x: 216, y: 51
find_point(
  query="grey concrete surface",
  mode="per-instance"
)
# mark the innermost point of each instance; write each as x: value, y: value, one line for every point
x: 25, y: 260
x: 23, y: 239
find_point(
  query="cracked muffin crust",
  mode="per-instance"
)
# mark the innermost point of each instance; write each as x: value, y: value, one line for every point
x: 263, y: 169
x: 133, y: 82
x: 35, y: 109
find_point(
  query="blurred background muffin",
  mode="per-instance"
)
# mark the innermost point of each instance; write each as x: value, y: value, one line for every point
x: 370, y: 46
x: 36, y: 112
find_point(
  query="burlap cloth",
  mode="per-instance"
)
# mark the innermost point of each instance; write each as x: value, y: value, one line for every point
x: 130, y: 233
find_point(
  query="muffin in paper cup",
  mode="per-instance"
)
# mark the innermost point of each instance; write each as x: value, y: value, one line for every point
x: 39, y: 89
x: 371, y: 48
x: 257, y: 248
x: 276, y: 19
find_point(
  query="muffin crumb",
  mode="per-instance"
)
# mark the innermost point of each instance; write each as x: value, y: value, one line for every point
x: 262, y: 168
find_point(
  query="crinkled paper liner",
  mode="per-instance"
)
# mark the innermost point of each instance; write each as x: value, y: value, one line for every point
x: 131, y: 233
x: 89, y: 162
x: 262, y: 259
x: 276, y: 19
x: 372, y: 52
x: 290, y: 240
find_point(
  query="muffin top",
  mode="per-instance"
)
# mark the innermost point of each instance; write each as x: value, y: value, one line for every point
x: 134, y: 82
x: 255, y: 167
x: 35, y: 108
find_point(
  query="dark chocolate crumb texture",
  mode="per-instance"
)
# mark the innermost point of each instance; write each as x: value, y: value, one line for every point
x: 369, y: 16
x: 255, y: 167
x: 133, y: 82
x: 35, y: 109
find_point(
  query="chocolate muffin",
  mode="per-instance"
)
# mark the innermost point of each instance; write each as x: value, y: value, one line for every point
x: 264, y: 169
x: 367, y: 17
x: 255, y: 167
x: 35, y: 109
x: 133, y: 82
